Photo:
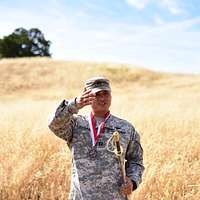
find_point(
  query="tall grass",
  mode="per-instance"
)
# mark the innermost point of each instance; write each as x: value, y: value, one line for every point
x: 35, y: 164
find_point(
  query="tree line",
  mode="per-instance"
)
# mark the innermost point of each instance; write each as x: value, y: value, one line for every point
x: 24, y: 43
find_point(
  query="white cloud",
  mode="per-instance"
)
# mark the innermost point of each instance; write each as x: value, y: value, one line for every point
x: 139, y: 4
x: 158, y: 20
x: 171, y: 5
x: 170, y: 46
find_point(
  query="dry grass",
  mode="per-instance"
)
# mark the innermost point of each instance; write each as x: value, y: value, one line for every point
x: 35, y: 164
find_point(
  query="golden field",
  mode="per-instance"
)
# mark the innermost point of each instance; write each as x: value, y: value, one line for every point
x: 164, y: 108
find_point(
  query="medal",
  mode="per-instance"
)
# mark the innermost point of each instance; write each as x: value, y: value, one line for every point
x: 92, y: 153
x: 95, y: 134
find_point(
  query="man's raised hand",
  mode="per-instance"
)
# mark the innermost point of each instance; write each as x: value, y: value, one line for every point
x: 86, y: 98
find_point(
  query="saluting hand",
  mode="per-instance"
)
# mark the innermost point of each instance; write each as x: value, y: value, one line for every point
x: 86, y: 98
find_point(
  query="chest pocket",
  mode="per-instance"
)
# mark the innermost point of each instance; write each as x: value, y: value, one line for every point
x: 82, y: 135
x: 81, y: 140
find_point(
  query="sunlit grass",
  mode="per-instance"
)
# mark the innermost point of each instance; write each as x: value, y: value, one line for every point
x: 35, y: 164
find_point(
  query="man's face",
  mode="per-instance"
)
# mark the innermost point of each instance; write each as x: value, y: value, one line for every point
x: 102, y: 102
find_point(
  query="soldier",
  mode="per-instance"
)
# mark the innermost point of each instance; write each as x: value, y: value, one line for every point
x: 95, y: 173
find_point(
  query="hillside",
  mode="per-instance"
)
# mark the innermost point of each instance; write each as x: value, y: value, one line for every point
x: 164, y: 108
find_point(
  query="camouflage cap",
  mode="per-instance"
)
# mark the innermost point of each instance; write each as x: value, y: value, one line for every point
x: 97, y: 84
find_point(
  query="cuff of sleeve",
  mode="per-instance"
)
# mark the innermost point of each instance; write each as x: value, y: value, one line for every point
x: 72, y: 108
x: 135, y: 185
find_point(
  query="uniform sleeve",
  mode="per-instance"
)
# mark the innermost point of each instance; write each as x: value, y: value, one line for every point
x: 134, y: 156
x: 63, y: 121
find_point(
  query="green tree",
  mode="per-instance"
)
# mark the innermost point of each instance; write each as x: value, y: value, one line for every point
x: 24, y: 43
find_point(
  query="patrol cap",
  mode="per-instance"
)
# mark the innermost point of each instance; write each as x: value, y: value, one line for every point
x: 97, y: 84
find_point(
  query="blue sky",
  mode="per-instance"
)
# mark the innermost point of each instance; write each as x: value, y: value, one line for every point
x: 157, y: 34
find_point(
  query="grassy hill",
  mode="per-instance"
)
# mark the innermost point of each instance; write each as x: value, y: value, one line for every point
x: 164, y: 108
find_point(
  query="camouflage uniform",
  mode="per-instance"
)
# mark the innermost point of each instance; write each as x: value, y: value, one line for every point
x: 98, y: 177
